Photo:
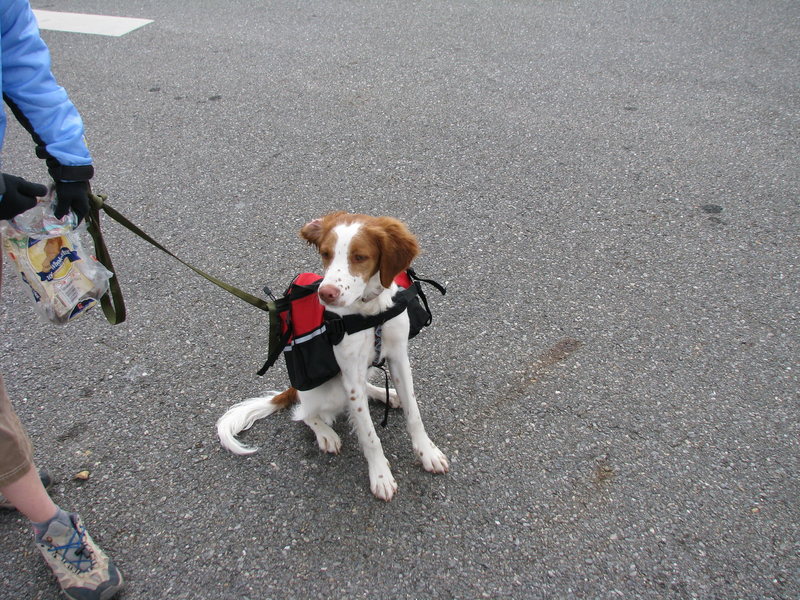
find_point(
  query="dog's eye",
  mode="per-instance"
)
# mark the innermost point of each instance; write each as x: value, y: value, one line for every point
x: 359, y: 258
x: 325, y: 255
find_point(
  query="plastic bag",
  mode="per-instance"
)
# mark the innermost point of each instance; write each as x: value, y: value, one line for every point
x: 64, y: 280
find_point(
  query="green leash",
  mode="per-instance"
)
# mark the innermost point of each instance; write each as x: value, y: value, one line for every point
x: 112, y: 302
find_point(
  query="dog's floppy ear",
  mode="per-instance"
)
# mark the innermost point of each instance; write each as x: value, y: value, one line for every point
x: 398, y: 248
x: 312, y: 232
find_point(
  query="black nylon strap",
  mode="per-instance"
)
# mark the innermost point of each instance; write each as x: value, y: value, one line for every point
x: 436, y: 284
x: 273, y: 357
x: 385, y: 421
x: 338, y: 325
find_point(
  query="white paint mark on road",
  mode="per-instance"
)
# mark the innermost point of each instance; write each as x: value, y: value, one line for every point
x: 82, y: 23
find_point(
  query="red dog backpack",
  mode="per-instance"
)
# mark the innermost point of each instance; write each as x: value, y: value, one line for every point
x: 305, y: 333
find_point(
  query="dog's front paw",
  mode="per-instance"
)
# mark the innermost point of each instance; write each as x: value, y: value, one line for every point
x: 329, y: 441
x: 432, y: 459
x: 382, y: 483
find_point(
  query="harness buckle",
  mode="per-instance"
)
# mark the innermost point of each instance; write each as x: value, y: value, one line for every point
x: 334, y: 328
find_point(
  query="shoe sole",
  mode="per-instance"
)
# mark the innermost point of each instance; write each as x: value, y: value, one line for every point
x: 107, y: 595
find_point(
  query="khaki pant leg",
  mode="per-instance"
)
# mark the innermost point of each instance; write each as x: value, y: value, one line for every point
x: 16, y: 454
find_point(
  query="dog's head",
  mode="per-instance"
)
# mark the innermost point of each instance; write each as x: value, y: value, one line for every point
x: 361, y: 255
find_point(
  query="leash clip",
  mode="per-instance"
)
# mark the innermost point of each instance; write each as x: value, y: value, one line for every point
x: 269, y: 293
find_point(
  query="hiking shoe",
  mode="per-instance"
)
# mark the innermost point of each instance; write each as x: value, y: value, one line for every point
x: 83, y: 570
x: 47, y: 482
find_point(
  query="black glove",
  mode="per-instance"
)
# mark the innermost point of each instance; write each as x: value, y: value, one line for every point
x: 72, y: 195
x: 19, y: 195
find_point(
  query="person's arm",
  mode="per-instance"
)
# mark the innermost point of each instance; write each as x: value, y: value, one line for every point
x: 43, y: 107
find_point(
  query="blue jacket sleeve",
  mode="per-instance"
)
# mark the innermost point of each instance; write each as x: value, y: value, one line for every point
x: 35, y: 98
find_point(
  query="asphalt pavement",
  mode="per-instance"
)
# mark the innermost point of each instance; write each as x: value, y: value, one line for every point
x: 609, y: 190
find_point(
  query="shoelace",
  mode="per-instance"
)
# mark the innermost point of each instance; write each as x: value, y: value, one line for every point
x: 81, y: 554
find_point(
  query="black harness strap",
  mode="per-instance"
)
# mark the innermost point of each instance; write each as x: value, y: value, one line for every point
x: 338, y: 325
x: 436, y: 284
x: 442, y: 290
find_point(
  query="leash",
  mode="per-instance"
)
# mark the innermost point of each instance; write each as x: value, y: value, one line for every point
x: 113, y: 303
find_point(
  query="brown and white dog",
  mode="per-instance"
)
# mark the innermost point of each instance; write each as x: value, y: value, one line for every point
x: 361, y: 256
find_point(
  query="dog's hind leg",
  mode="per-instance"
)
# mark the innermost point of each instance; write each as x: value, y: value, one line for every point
x: 327, y: 439
x: 379, y: 393
x: 318, y: 408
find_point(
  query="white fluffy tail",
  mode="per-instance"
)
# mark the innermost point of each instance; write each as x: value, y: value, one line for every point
x: 241, y: 416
